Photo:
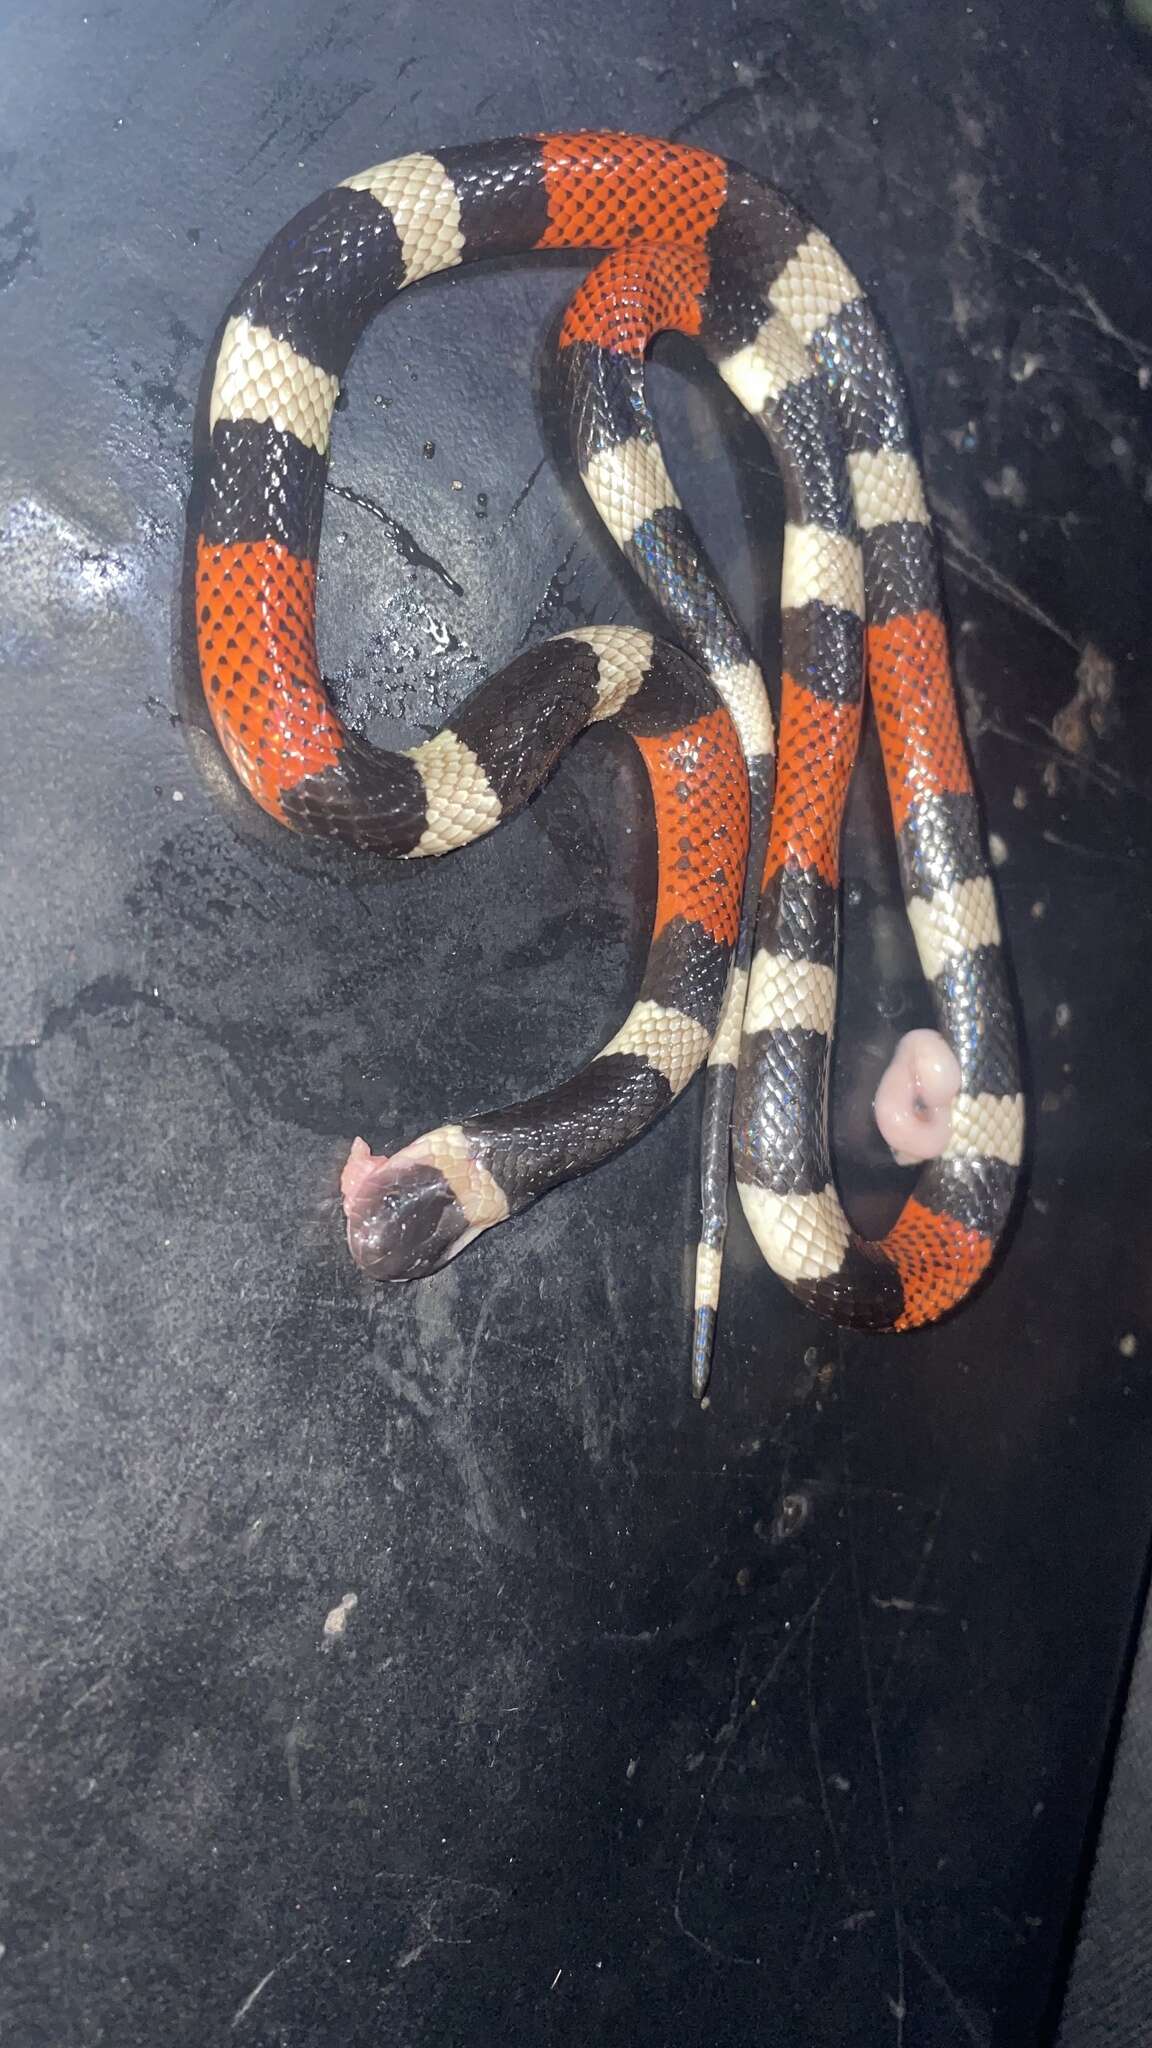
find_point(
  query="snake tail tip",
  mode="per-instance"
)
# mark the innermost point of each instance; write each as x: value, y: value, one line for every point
x: 702, y: 1338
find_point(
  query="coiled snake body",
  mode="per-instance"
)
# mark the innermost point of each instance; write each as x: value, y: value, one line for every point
x: 744, y: 979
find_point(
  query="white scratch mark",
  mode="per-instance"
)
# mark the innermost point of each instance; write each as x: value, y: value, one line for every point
x: 898, y: 2006
x: 1088, y: 307
x: 897, y: 1605
x: 254, y: 1994
x: 292, y: 1742
x: 963, y: 558
x: 724, y: 1741
x: 938, y: 1978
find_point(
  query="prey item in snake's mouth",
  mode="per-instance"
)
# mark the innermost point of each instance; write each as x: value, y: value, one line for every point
x: 741, y: 970
x: 403, y: 1219
x: 407, y: 1215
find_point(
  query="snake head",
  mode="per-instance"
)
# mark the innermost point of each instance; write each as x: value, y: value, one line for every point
x: 404, y: 1219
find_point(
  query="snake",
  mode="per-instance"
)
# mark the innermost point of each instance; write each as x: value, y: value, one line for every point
x: 741, y: 971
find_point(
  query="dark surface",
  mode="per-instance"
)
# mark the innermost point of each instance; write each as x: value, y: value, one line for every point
x: 780, y: 1722
x: 1109, y: 2001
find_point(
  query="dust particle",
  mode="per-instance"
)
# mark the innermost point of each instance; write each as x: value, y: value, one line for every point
x: 336, y: 1619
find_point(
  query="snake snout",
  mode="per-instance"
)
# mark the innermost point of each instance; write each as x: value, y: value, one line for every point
x: 403, y: 1220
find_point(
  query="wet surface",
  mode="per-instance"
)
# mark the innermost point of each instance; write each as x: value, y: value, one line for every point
x: 423, y: 1667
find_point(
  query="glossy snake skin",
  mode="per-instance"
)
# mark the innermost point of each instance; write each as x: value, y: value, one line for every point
x: 742, y: 968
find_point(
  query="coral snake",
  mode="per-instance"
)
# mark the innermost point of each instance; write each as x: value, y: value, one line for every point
x: 741, y: 972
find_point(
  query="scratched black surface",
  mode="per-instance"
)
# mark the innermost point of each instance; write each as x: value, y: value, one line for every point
x: 424, y: 1668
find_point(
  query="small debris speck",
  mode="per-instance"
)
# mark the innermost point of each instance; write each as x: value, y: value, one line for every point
x: 1039, y: 909
x: 1128, y: 1344
x: 998, y: 848
x: 429, y: 449
x: 336, y: 1619
x: 1063, y: 1016
x: 1019, y: 799
x: 177, y: 796
x: 791, y: 1515
x: 1026, y: 366
x: 1009, y: 484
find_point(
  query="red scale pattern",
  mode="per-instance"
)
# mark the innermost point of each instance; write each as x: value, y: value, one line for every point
x: 255, y: 608
x: 635, y: 294
x: 910, y: 678
x: 938, y: 1259
x: 604, y: 190
x: 818, y: 741
x: 700, y: 795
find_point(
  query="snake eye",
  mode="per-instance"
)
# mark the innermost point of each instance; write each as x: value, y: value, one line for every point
x: 403, y: 1221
